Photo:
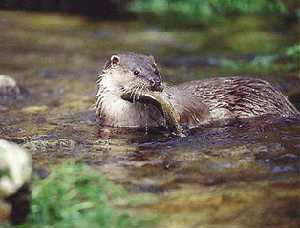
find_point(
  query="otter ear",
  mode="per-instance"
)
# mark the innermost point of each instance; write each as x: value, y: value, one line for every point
x: 115, y: 59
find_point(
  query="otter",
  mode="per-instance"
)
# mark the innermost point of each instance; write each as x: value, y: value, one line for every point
x: 127, y: 81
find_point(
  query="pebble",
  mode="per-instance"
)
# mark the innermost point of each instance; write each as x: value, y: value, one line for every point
x: 8, y: 86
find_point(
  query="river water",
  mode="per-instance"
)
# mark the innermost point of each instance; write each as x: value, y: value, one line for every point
x: 243, y: 174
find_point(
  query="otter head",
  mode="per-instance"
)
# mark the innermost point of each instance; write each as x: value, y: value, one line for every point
x: 133, y: 73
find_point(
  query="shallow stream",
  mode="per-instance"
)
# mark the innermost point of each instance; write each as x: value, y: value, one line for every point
x: 245, y: 174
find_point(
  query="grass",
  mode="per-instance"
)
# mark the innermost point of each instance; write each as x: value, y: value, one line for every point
x: 74, y: 195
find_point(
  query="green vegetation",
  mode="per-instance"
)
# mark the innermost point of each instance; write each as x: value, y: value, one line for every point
x: 74, y: 195
x: 207, y: 10
x: 273, y: 53
x: 285, y: 61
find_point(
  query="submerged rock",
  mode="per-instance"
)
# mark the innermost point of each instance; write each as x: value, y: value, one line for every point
x: 15, y: 174
x: 8, y: 87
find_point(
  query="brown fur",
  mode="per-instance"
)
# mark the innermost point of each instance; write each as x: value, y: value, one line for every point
x: 239, y: 97
x: 197, y: 102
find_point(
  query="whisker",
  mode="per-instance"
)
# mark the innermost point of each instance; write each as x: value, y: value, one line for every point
x: 127, y: 90
x: 99, y: 80
x: 135, y: 94
x: 141, y: 90
x: 138, y: 92
x: 132, y: 93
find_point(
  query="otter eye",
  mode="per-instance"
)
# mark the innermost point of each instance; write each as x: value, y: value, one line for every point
x: 136, y: 72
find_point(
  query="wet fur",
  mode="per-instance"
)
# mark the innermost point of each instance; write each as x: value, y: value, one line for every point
x: 113, y: 111
x: 238, y: 97
x: 198, y: 102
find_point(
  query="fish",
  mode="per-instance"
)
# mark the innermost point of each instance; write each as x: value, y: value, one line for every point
x: 167, y: 109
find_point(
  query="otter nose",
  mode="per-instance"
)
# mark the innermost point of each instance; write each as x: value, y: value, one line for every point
x: 156, y: 84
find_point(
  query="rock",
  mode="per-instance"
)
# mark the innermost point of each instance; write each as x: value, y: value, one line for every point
x: 15, y: 168
x: 8, y: 87
x: 15, y: 175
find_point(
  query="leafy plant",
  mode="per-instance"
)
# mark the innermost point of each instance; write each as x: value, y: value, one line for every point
x: 207, y: 10
x: 74, y: 195
x: 287, y: 60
